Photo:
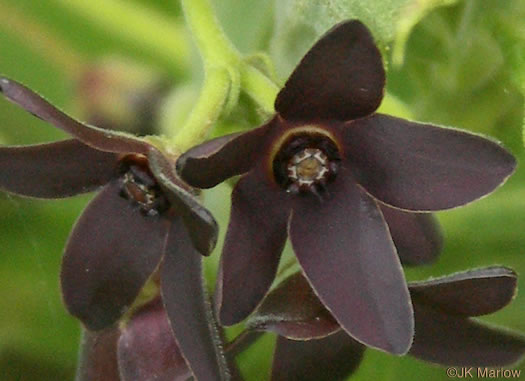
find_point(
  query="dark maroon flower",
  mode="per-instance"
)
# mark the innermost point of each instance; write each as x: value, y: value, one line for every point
x: 312, y: 346
x: 327, y: 172
x: 142, y: 217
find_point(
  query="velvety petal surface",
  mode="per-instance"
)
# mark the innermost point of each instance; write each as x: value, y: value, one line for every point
x: 214, y: 161
x: 417, y: 236
x: 147, y: 349
x: 98, y: 356
x: 293, y: 310
x: 188, y: 307
x: 111, y: 252
x: 201, y: 225
x: 332, y: 358
x: 344, y: 247
x: 423, y: 167
x: 254, y: 241
x: 469, y: 293
x: 105, y: 140
x: 55, y: 170
x: 454, y: 340
x: 341, y: 77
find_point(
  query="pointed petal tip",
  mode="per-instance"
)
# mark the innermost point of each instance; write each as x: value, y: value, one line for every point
x: 3, y: 82
x: 7, y: 85
x: 398, y: 345
x: 508, y: 163
x: 352, y: 80
x: 401, y: 348
x: 423, y: 167
x: 366, y: 291
x: 473, y: 292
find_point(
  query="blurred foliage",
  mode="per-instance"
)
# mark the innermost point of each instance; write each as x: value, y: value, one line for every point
x: 300, y: 22
x: 463, y: 65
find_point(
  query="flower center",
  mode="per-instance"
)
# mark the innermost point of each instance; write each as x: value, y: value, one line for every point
x: 138, y: 185
x: 306, y: 163
x: 307, y: 166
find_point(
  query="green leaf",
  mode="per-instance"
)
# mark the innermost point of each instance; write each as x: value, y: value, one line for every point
x: 461, y: 68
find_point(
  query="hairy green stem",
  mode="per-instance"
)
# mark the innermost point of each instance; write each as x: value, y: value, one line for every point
x: 226, y: 74
x: 259, y: 87
x: 213, y: 44
x: 207, y: 110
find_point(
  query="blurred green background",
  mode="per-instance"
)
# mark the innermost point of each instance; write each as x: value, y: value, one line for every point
x: 464, y: 66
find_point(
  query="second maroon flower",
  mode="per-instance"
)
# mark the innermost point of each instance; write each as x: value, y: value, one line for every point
x: 326, y: 171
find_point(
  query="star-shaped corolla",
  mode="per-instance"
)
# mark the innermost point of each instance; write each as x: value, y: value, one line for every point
x: 143, y: 217
x: 330, y: 174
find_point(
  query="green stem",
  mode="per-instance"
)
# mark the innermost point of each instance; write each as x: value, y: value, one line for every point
x: 214, y: 46
x: 226, y: 73
x: 139, y: 25
x: 220, y: 60
x: 206, y: 111
x: 259, y: 87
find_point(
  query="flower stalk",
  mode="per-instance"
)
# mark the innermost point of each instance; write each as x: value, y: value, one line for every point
x: 207, y: 110
x: 226, y: 73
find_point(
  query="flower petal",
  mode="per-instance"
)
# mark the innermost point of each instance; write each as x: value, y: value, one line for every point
x: 98, y: 356
x: 252, y: 248
x: 188, y: 307
x: 147, y: 349
x: 293, y: 310
x: 454, y: 340
x: 469, y: 293
x: 423, y: 167
x: 55, y: 170
x: 341, y: 77
x: 332, y: 358
x: 214, y: 161
x: 201, y: 225
x: 104, y: 140
x: 345, y: 250
x: 111, y: 252
x: 417, y: 236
